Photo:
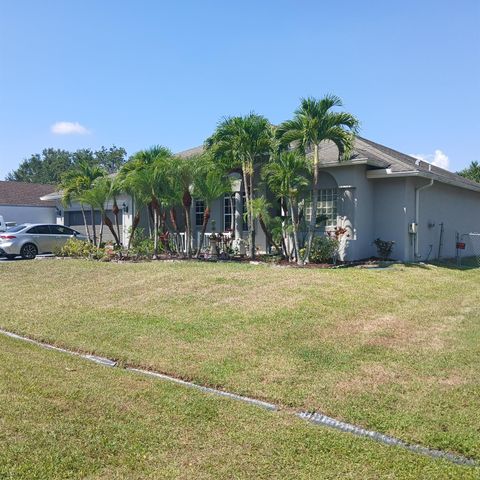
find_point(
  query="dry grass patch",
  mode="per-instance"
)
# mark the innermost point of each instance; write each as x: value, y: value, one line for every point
x: 367, y: 347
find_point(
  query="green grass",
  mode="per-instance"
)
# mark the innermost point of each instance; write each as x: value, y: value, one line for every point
x: 394, y: 350
x: 61, y: 417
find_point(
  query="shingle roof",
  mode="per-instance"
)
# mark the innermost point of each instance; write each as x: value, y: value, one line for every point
x: 22, y: 193
x: 379, y: 156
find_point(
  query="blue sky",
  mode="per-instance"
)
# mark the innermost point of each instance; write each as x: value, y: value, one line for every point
x: 142, y: 72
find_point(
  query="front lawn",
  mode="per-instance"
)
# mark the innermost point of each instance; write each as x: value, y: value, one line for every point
x: 395, y: 350
x: 61, y: 417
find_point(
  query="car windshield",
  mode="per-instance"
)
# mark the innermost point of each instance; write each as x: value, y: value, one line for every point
x: 16, y: 228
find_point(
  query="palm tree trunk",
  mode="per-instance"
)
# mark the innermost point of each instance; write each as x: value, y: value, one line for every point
x: 313, y: 219
x: 252, y: 219
x: 187, y: 202
x: 100, y: 237
x: 94, y: 230
x: 136, y: 221
x: 116, y: 211
x: 251, y: 248
x: 87, y: 229
x: 109, y: 224
x: 173, y: 220
x: 206, y: 217
x: 295, y: 232
x: 151, y: 219
x: 155, y: 234
x: 155, y: 208
x: 267, y: 233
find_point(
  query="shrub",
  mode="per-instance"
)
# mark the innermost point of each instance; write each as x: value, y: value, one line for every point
x: 80, y: 249
x: 142, y: 245
x: 384, y: 248
x: 324, y: 250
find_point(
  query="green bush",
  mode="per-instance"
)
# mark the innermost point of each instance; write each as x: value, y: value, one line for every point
x: 324, y: 250
x: 80, y: 249
x: 142, y: 245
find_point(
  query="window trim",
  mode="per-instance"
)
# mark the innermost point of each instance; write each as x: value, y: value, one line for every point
x: 325, y: 195
x: 199, y: 212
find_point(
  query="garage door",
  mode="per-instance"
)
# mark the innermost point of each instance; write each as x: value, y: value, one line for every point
x: 74, y: 219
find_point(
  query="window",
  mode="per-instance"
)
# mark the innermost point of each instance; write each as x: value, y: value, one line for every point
x: 227, y: 213
x: 326, y: 207
x: 199, y: 212
x: 61, y: 230
x: 40, y: 230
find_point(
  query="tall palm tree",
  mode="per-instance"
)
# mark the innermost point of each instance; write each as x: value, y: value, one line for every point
x: 286, y: 176
x: 209, y: 183
x: 315, y: 122
x: 243, y: 142
x: 82, y: 178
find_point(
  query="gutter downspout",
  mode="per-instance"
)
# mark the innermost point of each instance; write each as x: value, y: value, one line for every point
x: 417, y: 214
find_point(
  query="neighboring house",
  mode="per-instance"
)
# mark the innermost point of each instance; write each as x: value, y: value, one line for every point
x: 20, y: 203
x: 378, y: 193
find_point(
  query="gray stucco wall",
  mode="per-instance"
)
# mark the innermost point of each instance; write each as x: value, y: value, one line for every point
x: 393, y: 209
x: 457, y: 208
x: 355, y: 209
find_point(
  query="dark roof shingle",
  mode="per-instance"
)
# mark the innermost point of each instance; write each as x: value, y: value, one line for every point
x: 23, y: 193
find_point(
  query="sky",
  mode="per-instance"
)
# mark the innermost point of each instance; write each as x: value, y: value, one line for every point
x: 136, y: 73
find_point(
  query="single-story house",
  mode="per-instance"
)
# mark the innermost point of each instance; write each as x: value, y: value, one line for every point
x: 378, y: 193
x: 20, y: 203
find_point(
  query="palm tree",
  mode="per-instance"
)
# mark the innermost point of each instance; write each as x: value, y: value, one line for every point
x: 209, y: 183
x: 71, y: 188
x: 79, y: 180
x: 183, y: 174
x: 243, y: 142
x: 261, y: 212
x: 136, y: 182
x: 315, y: 122
x: 115, y: 190
x: 98, y: 196
x: 286, y: 177
x: 143, y: 177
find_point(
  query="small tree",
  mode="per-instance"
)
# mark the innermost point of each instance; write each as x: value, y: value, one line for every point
x: 286, y: 175
x: 209, y: 183
x: 76, y: 183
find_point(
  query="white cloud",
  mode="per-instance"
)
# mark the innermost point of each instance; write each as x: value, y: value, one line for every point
x: 438, y: 158
x: 69, y: 128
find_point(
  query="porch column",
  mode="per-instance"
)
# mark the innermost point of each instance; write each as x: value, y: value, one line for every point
x: 238, y: 245
x: 238, y: 206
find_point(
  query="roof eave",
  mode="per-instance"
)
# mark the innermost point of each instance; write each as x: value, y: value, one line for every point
x: 387, y: 173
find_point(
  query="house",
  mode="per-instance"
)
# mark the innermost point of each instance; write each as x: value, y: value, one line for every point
x: 20, y: 203
x: 378, y: 193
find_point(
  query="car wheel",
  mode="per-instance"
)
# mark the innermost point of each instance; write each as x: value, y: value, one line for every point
x: 29, y: 251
